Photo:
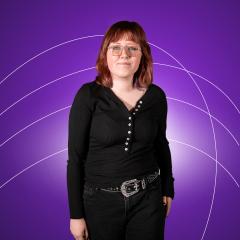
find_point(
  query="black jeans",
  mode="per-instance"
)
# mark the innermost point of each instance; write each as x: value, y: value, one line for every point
x: 112, y: 216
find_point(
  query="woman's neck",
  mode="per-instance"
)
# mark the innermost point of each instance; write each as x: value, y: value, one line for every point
x: 123, y: 85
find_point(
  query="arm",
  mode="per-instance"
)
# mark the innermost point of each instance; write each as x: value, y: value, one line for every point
x: 163, y: 152
x: 78, y: 139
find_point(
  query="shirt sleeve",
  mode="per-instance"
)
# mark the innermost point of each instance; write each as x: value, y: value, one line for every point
x: 163, y: 152
x: 78, y: 140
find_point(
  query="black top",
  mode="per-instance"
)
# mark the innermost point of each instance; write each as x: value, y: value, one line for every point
x: 109, y: 144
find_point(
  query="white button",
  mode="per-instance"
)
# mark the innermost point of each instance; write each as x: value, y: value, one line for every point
x: 128, y: 138
x: 129, y: 118
x: 125, y: 149
x: 126, y: 143
x: 129, y: 132
x: 139, y: 106
x: 134, y: 113
x: 140, y: 101
x: 136, y: 109
x: 129, y: 124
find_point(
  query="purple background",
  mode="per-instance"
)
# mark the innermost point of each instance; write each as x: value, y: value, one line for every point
x: 44, y: 62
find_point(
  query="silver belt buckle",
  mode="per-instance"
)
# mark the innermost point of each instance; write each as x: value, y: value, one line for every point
x: 126, y: 184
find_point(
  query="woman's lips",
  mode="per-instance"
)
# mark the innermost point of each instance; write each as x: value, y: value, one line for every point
x: 124, y: 64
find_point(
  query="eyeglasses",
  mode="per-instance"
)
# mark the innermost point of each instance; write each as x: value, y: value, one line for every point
x: 130, y: 50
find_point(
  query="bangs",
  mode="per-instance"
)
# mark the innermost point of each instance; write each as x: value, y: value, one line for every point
x: 126, y: 34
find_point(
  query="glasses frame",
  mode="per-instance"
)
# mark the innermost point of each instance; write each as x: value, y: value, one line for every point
x: 126, y: 50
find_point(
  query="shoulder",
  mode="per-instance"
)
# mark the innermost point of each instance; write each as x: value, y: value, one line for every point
x: 86, y: 94
x: 85, y: 91
x: 158, y: 92
x: 82, y: 95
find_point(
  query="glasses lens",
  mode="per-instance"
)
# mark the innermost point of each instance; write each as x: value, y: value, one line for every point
x: 116, y: 50
x: 130, y: 50
x: 133, y: 50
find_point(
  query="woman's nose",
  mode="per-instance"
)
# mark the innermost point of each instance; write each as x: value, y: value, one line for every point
x: 124, y: 52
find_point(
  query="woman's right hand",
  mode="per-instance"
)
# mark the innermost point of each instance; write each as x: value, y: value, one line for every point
x: 78, y: 228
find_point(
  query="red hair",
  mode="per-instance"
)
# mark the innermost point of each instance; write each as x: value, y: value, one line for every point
x: 133, y: 32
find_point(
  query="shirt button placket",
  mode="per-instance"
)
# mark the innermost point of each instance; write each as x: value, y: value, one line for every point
x: 127, y: 144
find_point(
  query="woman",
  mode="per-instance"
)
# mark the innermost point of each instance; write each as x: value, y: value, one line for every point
x: 119, y: 172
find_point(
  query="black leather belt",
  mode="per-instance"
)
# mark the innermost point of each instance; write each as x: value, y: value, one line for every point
x: 133, y: 186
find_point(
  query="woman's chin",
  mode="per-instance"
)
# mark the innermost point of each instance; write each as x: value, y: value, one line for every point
x: 124, y: 74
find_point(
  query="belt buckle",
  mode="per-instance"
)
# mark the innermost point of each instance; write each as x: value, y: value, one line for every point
x: 127, y: 183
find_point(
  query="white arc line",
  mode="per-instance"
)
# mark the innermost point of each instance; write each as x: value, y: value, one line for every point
x: 203, y: 98
x: 45, y: 51
x: 214, y: 85
x: 92, y: 36
x: 213, y: 131
x: 200, y: 109
x: 45, y: 85
x: 27, y: 168
x: 65, y: 149
x: 31, y: 124
x: 90, y: 68
x: 221, y: 165
x: 64, y: 108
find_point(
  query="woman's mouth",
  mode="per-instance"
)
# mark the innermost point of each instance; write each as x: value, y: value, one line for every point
x: 124, y: 64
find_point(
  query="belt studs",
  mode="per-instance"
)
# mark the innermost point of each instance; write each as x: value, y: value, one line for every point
x: 143, y: 184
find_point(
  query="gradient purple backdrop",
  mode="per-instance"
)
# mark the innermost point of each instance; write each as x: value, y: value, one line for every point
x: 48, y: 50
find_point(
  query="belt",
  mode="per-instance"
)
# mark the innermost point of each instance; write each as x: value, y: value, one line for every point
x: 132, y: 186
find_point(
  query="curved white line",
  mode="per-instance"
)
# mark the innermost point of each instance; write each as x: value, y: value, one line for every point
x: 215, y: 146
x: 45, y: 85
x: 31, y: 124
x: 191, y: 146
x: 61, y: 109
x: 76, y: 39
x: 213, y: 131
x: 25, y: 169
x: 65, y: 149
x: 32, y: 92
x: 218, y: 88
x: 200, y: 109
x: 47, y: 50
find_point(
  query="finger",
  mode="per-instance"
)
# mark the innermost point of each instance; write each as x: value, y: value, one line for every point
x: 85, y: 234
x: 79, y: 238
x: 168, y: 209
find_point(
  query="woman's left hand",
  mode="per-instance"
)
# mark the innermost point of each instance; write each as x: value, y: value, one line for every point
x: 167, y: 201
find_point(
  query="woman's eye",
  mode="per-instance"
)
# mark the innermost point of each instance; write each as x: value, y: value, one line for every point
x: 132, y: 49
x: 116, y: 48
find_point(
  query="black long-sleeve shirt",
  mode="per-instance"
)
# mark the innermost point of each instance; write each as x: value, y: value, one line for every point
x: 109, y: 144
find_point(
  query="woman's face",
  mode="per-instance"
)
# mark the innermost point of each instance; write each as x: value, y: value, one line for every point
x: 122, y: 61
